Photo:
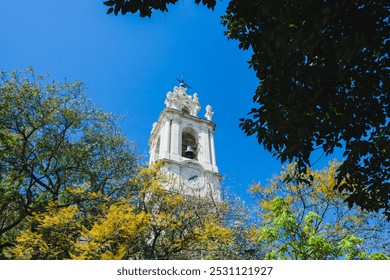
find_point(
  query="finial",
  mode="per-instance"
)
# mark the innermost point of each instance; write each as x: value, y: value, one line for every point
x: 182, y: 83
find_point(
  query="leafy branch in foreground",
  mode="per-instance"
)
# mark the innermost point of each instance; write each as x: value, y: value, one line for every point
x: 306, y: 219
x: 146, y: 7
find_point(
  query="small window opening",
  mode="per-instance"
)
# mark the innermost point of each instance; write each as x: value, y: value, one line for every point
x: 185, y: 110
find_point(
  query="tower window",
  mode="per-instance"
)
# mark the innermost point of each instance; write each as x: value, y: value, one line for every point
x: 185, y: 110
x: 189, y: 144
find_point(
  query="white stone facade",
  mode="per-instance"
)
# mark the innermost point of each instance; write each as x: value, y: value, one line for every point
x: 177, y: 128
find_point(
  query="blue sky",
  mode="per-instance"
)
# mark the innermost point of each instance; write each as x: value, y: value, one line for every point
x: 129, y: 64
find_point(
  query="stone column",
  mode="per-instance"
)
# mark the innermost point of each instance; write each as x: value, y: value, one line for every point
x: 213, y: 159
x: 205, y: 146
x: 175, y: 139
x: 152, y: 152
x: 165, y: 138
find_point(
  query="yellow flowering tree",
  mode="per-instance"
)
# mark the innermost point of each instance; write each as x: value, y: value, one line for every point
x: 116, y: 235
x: 51, y: 236
x: 180, y: 226
x: 155, y: 224
x: 52, y: 233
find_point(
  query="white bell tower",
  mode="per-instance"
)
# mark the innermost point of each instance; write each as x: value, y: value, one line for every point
x: 185, y: 144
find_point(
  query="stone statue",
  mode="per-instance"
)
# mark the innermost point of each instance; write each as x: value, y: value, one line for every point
x: 209, y: 113
x: 196, y: 97
x: 169, y: 100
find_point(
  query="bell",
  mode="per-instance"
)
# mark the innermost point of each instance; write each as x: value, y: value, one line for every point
x: 189, y: 153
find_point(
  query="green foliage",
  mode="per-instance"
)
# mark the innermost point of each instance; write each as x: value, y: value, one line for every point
x: 306, y: 219
x: 323, y: 68
x: 146, y: 7
x: 54, y: 146
x: 302, y: 239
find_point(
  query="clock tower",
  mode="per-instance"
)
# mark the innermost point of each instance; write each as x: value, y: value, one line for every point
x: 184, y: 142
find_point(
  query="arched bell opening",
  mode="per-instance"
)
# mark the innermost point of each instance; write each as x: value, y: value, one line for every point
x: 189, y: 148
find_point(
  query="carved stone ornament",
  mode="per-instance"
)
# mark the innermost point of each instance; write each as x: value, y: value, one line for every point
x: 180, y: 100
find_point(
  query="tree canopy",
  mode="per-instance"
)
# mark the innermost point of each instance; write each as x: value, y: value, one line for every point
x: 55, y: 145
x: 307, y: 220
x: 155, y: 224
x: 323, y: 70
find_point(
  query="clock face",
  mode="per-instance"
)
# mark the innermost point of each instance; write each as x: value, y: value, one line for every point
x: 193, y: 178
